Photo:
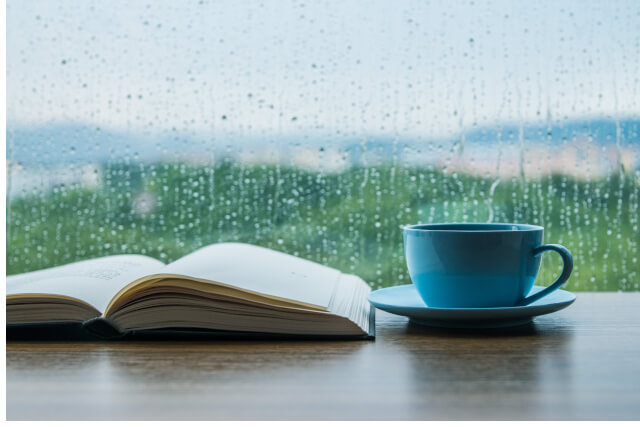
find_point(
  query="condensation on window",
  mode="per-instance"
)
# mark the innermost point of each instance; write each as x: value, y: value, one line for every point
x: 320, y: 129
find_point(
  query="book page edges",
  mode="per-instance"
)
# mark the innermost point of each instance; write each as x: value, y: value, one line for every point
x: 53, y: 297
x: 205, y: 286
x: 103, y: 327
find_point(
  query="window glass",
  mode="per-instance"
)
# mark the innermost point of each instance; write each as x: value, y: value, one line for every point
x: 319, y: 129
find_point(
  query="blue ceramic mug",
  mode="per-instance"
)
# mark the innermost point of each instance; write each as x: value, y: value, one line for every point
x: 478, y: 265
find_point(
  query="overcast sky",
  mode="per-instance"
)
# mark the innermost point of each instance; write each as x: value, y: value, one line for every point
x: 353, y: 67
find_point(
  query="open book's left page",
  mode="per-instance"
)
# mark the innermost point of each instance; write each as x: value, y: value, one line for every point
x: 94, y: 281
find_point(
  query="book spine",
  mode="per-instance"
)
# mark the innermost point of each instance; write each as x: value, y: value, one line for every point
x: 103, y: 328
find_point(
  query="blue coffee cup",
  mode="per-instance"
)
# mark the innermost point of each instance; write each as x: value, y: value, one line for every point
x: 478, y: 265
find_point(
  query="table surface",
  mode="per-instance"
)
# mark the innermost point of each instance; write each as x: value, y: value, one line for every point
x: 580, y: 363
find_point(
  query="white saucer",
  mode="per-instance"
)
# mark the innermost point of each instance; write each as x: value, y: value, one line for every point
x: 405, y: 301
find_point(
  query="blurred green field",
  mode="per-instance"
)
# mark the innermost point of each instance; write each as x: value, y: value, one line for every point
x: 350, y: 220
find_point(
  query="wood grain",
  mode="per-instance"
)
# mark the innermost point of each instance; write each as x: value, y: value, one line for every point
x: 580, y: 363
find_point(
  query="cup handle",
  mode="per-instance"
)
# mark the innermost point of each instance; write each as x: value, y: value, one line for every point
x: 566, y: 272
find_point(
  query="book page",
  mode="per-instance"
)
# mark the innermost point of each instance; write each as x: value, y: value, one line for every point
x: 93, y: 281
x: 260, y: 270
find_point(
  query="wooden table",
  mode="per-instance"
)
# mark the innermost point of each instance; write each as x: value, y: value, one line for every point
x: 580, y: 363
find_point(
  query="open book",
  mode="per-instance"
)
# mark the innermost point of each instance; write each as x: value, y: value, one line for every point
x: 230, y: 287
